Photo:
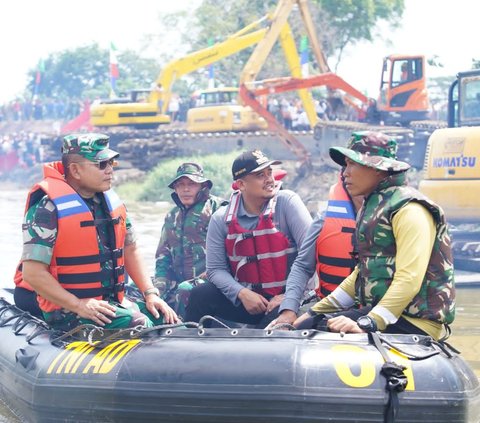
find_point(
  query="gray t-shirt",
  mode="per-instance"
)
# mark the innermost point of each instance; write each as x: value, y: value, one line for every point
x: 291, y: 217
x: 303, y: 268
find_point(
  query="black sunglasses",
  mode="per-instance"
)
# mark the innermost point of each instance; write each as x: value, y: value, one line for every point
x: 100, y: 165
x: 103, y: 165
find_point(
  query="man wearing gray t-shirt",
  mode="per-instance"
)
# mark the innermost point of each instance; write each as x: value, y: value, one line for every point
x: 251, y: 245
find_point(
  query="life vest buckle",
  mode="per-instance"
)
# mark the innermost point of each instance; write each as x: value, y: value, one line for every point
x: 117, y: 253
x: 118, y: 271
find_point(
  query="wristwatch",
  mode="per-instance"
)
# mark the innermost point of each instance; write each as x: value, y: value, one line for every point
x: 367, y: 324
x: 151, y: 291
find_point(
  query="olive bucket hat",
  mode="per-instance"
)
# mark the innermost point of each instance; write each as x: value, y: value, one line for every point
x: 372, y: 149
x: 92, y: 146
x: 192, y: 171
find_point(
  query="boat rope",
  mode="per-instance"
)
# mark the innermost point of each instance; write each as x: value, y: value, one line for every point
x: 157, y: 328
x: 82, y: 330
x: 427, y: 342
x: 21, y: 319
x: 281, y: 326
x: 207, y: 318
x: 396, y: 379
x: 99, y: 337
x: 446, y: 348
x: 435, y: 346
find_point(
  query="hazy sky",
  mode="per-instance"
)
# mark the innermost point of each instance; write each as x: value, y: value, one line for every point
x: 31, y: 29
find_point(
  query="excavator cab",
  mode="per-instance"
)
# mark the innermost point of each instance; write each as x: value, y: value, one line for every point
x: 403, y: 93
x: 464, y: 100
x: 218, y: 110
x: 452, y: 162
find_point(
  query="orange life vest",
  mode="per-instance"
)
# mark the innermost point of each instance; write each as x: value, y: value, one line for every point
x: 334, y: 244
x: 76, y: 260
x: 259, y: 257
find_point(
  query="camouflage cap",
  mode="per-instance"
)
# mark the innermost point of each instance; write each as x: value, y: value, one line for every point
x: 372, y: 149
x: 192, y: 171
x: 93, y: 147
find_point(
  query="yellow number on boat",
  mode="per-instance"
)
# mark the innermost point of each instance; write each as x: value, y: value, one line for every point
x: 362, y: 357
x: 403, y: 360
x: 341, y: 360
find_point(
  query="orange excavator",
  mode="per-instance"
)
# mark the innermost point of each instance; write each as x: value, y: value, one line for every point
x: 403, y: 91
x: 403, y: 96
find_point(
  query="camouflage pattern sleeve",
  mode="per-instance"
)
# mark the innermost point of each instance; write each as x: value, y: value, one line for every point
x: 40, y: 231
x: 163, y: 256
x: 131, y: 236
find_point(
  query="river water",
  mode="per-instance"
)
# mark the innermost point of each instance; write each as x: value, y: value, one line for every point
x: 148, y: 220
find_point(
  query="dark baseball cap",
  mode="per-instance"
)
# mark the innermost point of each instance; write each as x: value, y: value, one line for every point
x: 250, y: 162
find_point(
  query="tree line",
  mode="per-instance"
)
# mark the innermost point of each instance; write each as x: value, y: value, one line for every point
x: 83, y: 72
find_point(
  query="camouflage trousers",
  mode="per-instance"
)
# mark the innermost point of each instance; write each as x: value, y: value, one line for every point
x: 135, y: 314
x: 176, y: 296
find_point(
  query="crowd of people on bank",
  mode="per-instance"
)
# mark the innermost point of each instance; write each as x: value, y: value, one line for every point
x: 288, y: 111
x: 22, y: 149
x: 378, y: 257
x: 38, y: 108
x: 292, y: 115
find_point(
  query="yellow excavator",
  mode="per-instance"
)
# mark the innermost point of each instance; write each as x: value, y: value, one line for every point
x: 452, y: 169
x: 224, y: 117
x: 280, y: 30
x: 219, y: 110
x: 151, y: 112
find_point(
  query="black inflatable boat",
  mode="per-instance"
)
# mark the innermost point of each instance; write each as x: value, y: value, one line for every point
x: 194, y: 374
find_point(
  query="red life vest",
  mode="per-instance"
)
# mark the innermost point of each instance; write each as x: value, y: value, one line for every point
x: 334, y: 244
x: 259, y: 257
x: 76, y: 260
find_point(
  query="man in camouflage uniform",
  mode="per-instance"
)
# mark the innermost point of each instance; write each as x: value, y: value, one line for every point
x: 180, y: 256
x: 403, y: 281
x: 79, y: 242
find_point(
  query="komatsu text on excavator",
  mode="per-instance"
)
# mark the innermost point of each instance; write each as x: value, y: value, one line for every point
x: 452, y: 168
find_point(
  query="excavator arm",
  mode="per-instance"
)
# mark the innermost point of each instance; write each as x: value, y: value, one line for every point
x: 248, y: 98
x: 280, y: 85
x: 205, y: 57
x: 146, y: 114
x: 280, y: 30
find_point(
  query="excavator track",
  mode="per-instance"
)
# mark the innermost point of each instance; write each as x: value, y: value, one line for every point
x: 144, y: 148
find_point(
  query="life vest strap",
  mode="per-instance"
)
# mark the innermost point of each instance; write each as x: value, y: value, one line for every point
x: 74, y: 278
x: 337, y: 261
x: 95, y: 258
x: 242, y: 261
x: 87, y: 292
x: 99, y: 222
x: 325, y: 277
x: 101, y: 291
x: 264, y: 285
